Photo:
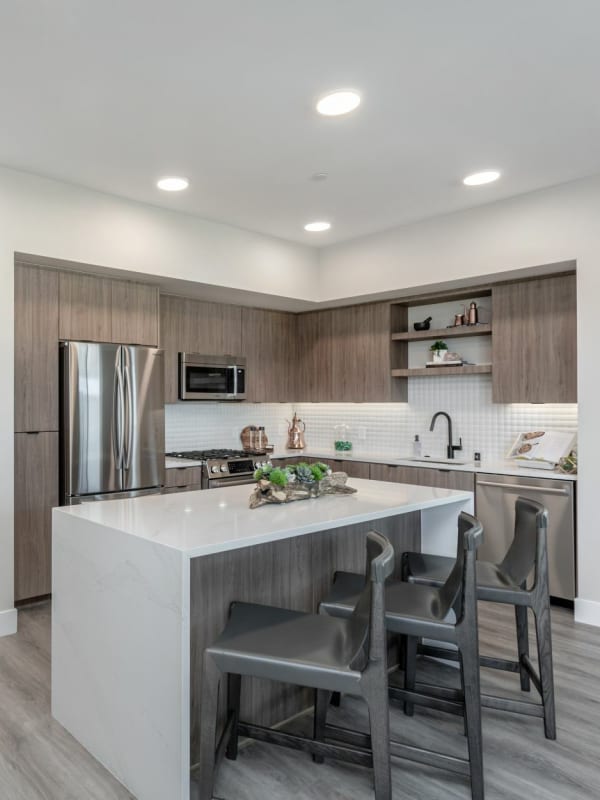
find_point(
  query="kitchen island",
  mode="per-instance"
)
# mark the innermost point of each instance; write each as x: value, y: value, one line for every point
x: 142, y: 586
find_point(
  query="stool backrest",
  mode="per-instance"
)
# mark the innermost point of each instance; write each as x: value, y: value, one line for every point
x: 368, y: 618
x: 461, y: 582
x: 528, y: 548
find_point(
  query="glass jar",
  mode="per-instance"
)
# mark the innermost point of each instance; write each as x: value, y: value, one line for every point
x: 342, y: 439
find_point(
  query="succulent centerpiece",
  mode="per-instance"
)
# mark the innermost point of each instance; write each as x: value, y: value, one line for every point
x: 297, y: 482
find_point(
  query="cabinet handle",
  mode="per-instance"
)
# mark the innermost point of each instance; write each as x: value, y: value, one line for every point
x: 524, y: 488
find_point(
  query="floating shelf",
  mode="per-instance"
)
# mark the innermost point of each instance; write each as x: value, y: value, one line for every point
x: 443, y: 333
x: 470, y: 369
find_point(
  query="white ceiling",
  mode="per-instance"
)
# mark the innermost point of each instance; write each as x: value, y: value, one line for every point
x: 112, y: 95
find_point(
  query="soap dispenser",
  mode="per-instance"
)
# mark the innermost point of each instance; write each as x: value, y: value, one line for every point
x: 417, y: 448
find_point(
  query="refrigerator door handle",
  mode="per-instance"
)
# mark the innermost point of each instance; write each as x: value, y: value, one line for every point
x: 118, y: 409
x: 128, y: 428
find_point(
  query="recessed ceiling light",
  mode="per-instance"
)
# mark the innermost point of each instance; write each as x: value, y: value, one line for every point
x: 479, y: 178
x: 317, y: 227
x: 336, y: 103
x: 173, y: 184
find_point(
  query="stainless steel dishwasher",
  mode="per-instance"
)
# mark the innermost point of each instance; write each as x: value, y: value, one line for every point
x: 495, y: 507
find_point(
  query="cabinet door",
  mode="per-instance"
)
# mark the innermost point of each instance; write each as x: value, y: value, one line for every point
x: 134, y: 313
x: 354, y: 469
x: 36, y: 349
x: 387, y: 472
x: 183, y: 477
x: 270, y: 346
x: 360, y: 354
x: 314, y: 380
x: 534, y: 344
x: 84, y: 308
x: 36, y: 493
x: 171, y: 341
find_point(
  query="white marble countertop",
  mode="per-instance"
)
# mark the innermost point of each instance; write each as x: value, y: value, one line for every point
x: 178, y: 463
x: 489, y: 467
x: 203, y: 522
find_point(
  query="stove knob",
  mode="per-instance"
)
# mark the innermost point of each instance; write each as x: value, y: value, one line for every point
x: 214, y: 468
x: 224, y: 468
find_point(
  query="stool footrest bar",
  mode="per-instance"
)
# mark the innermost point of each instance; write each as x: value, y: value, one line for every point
x: 335, y: 751
x: 430, y: 758
x: 517, y: 706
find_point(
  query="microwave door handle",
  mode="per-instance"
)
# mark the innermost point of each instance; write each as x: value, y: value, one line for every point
x: 235, y: 377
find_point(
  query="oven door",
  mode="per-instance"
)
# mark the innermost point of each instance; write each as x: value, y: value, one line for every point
x: 207, y: 382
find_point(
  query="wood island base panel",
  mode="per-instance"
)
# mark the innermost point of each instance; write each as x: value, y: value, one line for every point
x: 142, y: 586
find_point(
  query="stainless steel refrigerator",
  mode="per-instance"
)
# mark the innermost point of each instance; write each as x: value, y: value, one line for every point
x: 112, y: 421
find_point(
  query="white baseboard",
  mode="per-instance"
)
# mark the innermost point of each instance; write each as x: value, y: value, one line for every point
x: 587, y: 612
x: 8, y: 622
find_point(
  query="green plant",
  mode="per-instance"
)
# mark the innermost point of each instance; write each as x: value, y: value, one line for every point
x: 317, y: 473
x: 278, y: 477
x: 439, y: 345
x: 263, y: 472
x: 304, y: 473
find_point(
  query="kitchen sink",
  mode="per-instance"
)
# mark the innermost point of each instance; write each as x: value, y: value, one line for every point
x: 431, y: 460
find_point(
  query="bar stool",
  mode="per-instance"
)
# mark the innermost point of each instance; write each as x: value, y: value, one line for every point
x: 507, y: 583
x: 414, y: 611
x: 326, y: 654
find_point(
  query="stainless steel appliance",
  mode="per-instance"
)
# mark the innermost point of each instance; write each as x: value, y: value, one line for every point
x: 222, y: 468
x: 495, y: 507
x: 211, y: 377
x: 112, y: 421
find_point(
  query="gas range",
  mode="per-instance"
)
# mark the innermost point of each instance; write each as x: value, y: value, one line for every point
x: 224, y: 467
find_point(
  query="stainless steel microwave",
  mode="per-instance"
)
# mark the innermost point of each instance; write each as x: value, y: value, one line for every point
x: 211, y: 377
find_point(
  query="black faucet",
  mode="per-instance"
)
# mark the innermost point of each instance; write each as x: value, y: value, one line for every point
x: 451, y: 447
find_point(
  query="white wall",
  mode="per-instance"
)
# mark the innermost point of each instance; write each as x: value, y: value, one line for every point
x: 556, y: 224
x: 57, y: 220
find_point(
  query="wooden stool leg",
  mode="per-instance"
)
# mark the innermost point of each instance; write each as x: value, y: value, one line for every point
x: 470, y: 661
x: 379, y: 721
x: 544, y: 646
x: 322, y: 699
x: 208, y: 728
x: 234, y: 686
x: 410, y: 670
x: 523, y: 644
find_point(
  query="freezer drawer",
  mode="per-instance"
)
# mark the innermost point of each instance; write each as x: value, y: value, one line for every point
x: 495, y: 507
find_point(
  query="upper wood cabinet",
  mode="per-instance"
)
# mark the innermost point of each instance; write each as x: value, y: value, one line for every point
x: 134, y: 313
x: 534, y: 345
x: 36, y: 493
x: 345, y: 356
x: 85, y: 307
x: 95, y: 309
x: 269, y: 343
x: 194, y: 326
x: 36, y: 349
x: 313, y: 381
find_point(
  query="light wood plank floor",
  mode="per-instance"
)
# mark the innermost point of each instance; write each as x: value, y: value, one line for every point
x: 39, y: 760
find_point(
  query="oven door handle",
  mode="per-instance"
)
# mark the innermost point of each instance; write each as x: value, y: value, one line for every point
x: 223, y: 483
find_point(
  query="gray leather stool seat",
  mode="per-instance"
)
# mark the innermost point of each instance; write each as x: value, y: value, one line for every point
x: 507, y: 583
x: 319, y: 652
x: 413, y: 611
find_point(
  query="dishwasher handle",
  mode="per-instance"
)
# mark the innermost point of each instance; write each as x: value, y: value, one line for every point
x: 520, y: 486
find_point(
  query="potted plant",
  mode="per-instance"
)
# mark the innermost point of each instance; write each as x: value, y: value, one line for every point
x: 439, y: 350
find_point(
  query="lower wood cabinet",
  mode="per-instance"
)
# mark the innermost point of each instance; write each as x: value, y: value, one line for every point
x: 36, y: 493
x: 424, y: 476
x: 181, y: 479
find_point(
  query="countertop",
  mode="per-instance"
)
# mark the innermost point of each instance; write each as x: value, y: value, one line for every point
x: 489, y: 467
x: 204, y: 522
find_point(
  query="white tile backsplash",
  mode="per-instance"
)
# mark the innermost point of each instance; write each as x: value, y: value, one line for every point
x: 386, y: 428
